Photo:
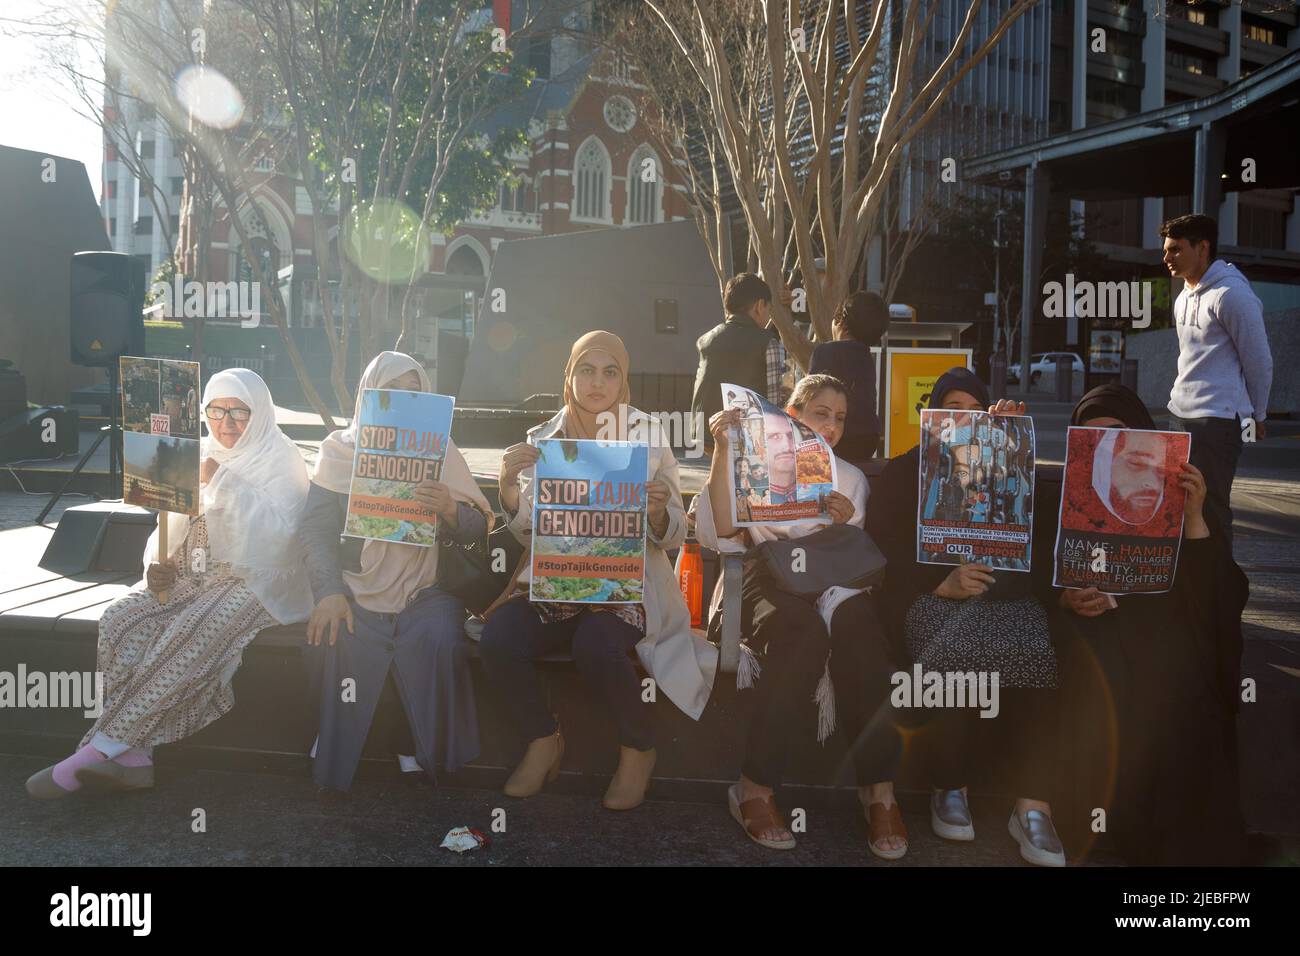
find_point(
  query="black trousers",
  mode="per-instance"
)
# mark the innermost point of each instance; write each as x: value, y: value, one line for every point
x: 1018, y: 748
x: 791, y: 638
x: 1216, y: 447
x: 601, y: 644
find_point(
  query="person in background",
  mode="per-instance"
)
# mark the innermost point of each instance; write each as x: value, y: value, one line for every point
x: 605, y: 640
x: 858, y: 325
x: 380, y: 618
x: 963, y: 618
x: 739, y: 351
x: 168, y: 666
x: 1152, y: 686
x: 825, y: 660
x: 1225, y: 368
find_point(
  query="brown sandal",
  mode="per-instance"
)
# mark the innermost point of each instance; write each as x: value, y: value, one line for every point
x: 757, y: 816
x: 882, y: 822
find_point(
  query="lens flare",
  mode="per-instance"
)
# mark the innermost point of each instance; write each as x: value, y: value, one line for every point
x: 384, y: 240
x: 211, y: 97
x: 501, y: 336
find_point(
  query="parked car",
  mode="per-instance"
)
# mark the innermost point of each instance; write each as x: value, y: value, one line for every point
x: 1044, y: 362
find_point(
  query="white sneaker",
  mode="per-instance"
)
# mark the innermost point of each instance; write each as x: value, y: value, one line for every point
x: 950, y: 815
x: 1037, y: 837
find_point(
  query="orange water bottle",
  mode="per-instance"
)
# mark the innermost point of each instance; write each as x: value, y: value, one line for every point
x: 690, y: 578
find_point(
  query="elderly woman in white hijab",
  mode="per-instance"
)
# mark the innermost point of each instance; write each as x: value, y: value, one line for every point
x: 380, y: 618
x: 229, y: 573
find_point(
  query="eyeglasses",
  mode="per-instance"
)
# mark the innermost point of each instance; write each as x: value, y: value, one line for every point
x: 216, y: 413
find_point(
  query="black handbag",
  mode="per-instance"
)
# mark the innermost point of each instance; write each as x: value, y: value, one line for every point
x: 465, y: 570
x: 838, y: 555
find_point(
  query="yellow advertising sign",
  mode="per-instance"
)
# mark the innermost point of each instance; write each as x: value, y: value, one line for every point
x: 911, y: 374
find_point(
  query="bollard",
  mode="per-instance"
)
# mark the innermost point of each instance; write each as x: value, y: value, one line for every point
x: 998, y: 376
x: 1064, y: 378
x: 1128, y: 374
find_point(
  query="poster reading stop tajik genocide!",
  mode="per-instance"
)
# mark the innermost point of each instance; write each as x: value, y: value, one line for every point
x: 401, y: 440
x: 160, y: 433
x: 976, y: 493
x: 780, y: 469
x: 589, y: 522
x: 1121, y: 517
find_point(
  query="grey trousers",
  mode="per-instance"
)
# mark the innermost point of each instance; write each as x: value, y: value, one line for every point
x: 425, y: 648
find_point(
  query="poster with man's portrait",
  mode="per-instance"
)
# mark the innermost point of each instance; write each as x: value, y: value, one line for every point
x: 976, y: 493
x: 780, y: 470
x: 1121, y: 519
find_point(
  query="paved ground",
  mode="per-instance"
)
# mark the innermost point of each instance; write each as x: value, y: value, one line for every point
x: 265, y: 819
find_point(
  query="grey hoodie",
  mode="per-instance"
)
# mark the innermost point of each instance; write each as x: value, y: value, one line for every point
x: 1225, y: 367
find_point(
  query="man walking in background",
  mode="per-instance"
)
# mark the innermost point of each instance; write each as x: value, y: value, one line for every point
x: 739, y: 351
x: 1225, y: 368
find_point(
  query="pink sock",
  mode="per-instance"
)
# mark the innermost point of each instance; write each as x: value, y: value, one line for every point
x: 133, y: 758
x: 65, y: 771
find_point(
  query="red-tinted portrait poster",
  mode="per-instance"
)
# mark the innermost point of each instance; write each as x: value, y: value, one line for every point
x: 1121, y: 518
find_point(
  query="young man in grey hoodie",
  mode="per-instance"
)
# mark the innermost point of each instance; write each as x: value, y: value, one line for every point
x: 1225, y: 368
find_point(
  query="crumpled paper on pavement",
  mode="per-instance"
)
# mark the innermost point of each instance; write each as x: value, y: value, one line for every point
x: 460, y: 839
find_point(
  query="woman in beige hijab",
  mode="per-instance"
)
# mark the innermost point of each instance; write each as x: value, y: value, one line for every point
x: 379, y: 618
x: 600, y: 637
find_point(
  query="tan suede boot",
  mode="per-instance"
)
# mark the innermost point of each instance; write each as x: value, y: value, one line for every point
x: 540, y: 766
x: 627, y: 789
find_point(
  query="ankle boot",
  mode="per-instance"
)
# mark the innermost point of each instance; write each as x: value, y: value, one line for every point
x: 627, y: 789
x: 541, y: 765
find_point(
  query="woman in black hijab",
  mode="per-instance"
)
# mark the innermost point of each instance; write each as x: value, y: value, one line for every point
x: 1152, y: 688
x: 963, y: 618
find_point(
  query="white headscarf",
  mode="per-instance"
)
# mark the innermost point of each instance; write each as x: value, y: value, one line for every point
x: 1102, y: 459
x: 253, y: 502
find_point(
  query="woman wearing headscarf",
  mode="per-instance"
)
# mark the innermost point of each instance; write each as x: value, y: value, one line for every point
x: 602, y: 639
x: 229, y: 573
x: 957, y: 619
x: 1152, y: 685
x: 380, y: 618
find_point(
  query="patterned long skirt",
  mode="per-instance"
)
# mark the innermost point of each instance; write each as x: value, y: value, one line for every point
x: 167, y: 667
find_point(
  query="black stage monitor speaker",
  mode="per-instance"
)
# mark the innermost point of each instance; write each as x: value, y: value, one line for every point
x: 107, y: 307
x: 40, y: 434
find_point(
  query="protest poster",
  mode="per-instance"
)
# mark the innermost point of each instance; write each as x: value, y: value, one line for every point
x: 976, y: 492
x: 401, y: 440
x: 1121, y: 519
x: 1106, y: 351
x: 780, y: 470
x: 589, y: 522
x: 910, y: 374
x: 160, y: 433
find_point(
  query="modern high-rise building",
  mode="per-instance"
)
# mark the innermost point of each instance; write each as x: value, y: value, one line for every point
x: 1114, y: 59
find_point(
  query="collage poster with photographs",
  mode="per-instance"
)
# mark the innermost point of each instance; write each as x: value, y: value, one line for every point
x: 780, y: 469
x: 589, y: 521
x: 160, y: 433
x: 976, y: 492
x: 1121, y: 519
x: 401, y: 440
x: 1106, y: 351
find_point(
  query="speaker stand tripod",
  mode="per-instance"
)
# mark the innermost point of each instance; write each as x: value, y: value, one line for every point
x: 113, y: 432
